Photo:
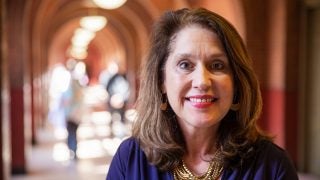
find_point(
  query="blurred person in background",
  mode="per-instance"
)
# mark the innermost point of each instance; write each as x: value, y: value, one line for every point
x: 73, y: 103
x: 118, y: 90
x: 198, y: 104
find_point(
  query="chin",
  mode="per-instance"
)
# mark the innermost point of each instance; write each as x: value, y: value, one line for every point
x: 204, y: 123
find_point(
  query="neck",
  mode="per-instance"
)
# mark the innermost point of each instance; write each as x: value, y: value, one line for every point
x: 201, y: 148
x: 200, y: 144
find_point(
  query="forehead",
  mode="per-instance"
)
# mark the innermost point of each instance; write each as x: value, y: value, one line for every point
x: 195, y: 37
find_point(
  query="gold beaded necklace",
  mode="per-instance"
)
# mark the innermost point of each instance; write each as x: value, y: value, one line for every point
x: 214, y: 170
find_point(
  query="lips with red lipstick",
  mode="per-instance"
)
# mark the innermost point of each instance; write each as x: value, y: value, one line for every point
x: 201, y: 101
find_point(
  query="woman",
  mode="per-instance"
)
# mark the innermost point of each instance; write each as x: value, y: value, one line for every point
x: 198, y: 105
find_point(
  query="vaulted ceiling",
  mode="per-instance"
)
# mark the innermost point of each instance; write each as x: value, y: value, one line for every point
x: 51, y: 25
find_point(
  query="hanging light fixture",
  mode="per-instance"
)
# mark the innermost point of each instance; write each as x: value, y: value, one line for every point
x: 93, y: 23
x: 79, y: 53
x: 109, y: 4
x: 82, y: 37
x: 79, y: 43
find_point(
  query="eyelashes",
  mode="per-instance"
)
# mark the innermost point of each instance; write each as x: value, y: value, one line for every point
x: 217, y: 65
x: 186, y: 65
x: 212, y: 66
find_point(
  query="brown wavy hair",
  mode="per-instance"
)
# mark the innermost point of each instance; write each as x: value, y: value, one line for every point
x: 158, y: 132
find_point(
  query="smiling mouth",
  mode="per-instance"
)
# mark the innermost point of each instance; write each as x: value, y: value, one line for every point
x: 202, y: 102
x: 201, y: 99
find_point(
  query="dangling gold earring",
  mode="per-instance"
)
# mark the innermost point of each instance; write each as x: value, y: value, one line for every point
x: 235, y: 107
x: 164, y: 105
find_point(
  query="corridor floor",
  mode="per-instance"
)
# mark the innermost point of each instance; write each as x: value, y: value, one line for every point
x: 49, y: 159
x: 99, y: 135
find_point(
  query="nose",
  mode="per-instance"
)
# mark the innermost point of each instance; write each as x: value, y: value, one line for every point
x: 201, y: 78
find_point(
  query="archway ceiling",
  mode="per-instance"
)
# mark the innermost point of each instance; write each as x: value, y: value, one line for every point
x: 125, y: 35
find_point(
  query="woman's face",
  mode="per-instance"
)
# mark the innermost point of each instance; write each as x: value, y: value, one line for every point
x: 198, y: 78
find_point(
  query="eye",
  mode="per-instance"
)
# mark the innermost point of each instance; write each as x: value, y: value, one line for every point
x: 185, y: 65
x: 217, y: 65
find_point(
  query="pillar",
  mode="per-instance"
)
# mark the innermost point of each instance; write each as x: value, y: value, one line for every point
x: 16, y: 64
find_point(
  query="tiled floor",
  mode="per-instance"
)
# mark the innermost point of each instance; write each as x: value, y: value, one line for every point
x: 50, y: 160
x: 43, y: 165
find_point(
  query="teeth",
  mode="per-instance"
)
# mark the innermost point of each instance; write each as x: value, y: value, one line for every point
x: 197, y: 100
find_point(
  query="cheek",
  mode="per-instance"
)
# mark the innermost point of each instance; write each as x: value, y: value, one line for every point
x: 169, y: 81
x: 227, y: 89
x: 174, y: 91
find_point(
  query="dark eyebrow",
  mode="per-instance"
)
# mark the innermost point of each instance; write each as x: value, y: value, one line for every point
x: 188, y: 56
x: 218, y: 55
x: 223, y: 56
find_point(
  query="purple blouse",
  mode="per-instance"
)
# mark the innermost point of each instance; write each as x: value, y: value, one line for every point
x: 270, y: 162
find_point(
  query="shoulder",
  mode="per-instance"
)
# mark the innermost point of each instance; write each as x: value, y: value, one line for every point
x: 272, y: 153
x: 273, y: 161
x: 269, y: 161
x: 128, y: 147
x: 130, y: 162
x: 268, y: 149
x: 120, y: 160
x: 128, y: 144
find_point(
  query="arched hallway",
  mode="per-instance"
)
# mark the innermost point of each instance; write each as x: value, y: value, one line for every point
x: 38, y: 37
